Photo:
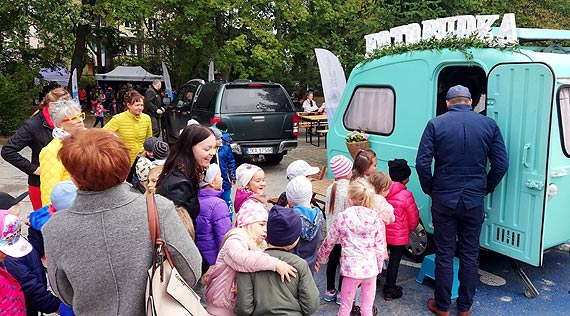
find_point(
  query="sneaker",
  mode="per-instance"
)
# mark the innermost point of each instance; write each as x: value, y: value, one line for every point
x: 392, y: 294
x: 330, y: 295
x: 337, y: 298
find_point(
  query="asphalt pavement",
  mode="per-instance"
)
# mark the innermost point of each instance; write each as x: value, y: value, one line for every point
x: 501, y: 291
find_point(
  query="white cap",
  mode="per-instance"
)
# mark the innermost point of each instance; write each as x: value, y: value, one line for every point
x: 245, y: 172
x: 301, y: 168
x: 12, y: 243
x: 211, y: 174
x: 299, y: 190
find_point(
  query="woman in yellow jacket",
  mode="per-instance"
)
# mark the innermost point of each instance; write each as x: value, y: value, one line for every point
x: 132, y: 126
x: 67, y: 119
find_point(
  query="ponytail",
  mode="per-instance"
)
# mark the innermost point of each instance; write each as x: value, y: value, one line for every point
x: 361, y: 193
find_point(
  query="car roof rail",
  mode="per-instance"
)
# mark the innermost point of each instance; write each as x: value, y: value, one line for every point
x: 242, y: 81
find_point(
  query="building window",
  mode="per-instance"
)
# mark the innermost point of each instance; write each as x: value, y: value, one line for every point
x: 132, y: 49
x: 564, y: 113
x: 151, y: 24
x: 130, y: 25
x: 371, y: 110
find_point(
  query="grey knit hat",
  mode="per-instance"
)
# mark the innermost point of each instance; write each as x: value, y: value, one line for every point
x: 160, y: 150
x: 148, y: 144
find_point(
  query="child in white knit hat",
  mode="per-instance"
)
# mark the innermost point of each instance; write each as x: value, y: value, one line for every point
x: 299, y: 193
x: 252, y: 180
x: 241, y: 252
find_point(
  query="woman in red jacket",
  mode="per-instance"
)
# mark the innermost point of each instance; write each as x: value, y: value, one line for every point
x: 398, y: 233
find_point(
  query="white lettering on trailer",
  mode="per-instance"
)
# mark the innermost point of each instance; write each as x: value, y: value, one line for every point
x: 459, y: 26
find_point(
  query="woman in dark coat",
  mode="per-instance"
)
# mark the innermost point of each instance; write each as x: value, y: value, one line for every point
x: 184, y: 168
x: 36, y: 134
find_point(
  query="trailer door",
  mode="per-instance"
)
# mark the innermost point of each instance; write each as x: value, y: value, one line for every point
x: 520, y: 101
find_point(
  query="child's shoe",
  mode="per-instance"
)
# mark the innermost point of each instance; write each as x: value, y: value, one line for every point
x: 355, y: 310
x: 338, y: 298
x: 330, y: 295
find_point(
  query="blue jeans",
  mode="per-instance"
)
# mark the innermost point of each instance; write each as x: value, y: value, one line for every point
x: 227, y: 196
x: 459, y: 229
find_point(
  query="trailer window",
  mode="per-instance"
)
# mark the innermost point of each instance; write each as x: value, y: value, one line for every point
x: 564, y: 105
x: 371, y: 109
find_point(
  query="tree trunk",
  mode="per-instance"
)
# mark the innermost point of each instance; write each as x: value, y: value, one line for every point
x: 77, y: 60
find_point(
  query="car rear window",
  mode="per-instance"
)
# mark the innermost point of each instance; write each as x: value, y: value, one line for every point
x: 247, y: 99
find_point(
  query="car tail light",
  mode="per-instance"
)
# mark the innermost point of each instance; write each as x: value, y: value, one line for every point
x: 295, y: 125
x: 255, y: 85
x: 214, y: 120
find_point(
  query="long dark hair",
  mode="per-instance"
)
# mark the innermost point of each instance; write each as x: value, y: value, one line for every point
x: 181, y: 157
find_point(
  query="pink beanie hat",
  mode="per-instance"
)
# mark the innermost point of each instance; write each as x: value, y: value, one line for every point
x: 340, y: 166
x: 250, y: 212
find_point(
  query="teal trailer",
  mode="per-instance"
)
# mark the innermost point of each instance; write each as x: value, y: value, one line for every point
x: 526, y: 91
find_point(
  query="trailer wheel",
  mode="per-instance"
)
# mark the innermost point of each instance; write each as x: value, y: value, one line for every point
x: 421, y: 244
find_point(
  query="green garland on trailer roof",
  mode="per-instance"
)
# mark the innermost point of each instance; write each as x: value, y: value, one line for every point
x: 463, y: 45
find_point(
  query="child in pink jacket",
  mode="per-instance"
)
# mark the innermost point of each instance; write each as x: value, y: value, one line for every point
x: 398, y: 233
x: 358, y: 229
x: 241, y: 252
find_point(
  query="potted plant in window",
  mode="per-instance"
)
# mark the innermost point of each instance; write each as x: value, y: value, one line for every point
x: 355, y: 141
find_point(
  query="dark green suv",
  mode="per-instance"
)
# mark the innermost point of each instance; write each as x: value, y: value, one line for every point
x: 260, y: 116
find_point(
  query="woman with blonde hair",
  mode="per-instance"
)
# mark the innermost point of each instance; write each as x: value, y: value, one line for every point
x: 99, y: 250
x: 36, y: 133
x: 67, y: 119
x: 132, y: 126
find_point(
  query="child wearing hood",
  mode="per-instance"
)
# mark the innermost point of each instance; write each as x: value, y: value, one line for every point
x: 213, y: 221
x: 227, y: 164
x: 299, y: 192
x: 242, y: 251
x: 252, y: 179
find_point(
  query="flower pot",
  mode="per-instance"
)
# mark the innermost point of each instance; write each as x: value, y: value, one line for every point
x: 355, y: 147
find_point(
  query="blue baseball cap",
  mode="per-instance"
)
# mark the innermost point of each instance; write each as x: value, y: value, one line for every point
x: 458, y: 91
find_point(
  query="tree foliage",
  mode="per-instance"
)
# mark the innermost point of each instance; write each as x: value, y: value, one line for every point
x: 253, y: 39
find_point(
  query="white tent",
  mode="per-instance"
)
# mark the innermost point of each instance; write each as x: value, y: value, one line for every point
x: 58, y: 74
x: 127, y: 73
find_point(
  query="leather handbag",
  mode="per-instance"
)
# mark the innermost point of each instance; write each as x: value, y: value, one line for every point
x: 167, y: 293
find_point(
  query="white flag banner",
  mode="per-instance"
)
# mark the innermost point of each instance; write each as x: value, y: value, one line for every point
x: 211, y: 71
x: 167, y: 84
x: 332, y: 79
x: 74, y: 86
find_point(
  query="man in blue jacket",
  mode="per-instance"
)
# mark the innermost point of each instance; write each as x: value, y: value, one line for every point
x: 461, y: 142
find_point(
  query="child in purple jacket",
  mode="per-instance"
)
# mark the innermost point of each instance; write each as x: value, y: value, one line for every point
x: 213, y: 221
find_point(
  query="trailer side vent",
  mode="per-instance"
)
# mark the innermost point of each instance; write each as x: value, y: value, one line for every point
x: 508, y: 237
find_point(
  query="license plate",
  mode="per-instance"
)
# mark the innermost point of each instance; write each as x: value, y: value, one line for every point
x: 259, y: 150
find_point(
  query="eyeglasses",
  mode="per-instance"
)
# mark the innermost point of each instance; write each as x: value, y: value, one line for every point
x: 75, y: 119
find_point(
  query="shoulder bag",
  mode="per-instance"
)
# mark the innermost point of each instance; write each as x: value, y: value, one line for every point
x: 167, y: 293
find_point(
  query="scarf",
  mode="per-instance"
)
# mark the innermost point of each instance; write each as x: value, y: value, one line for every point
x: 45, y: 112
x: 59, y: 133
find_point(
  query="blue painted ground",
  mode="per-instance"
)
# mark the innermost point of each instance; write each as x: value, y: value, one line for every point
x: 552, y: 281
